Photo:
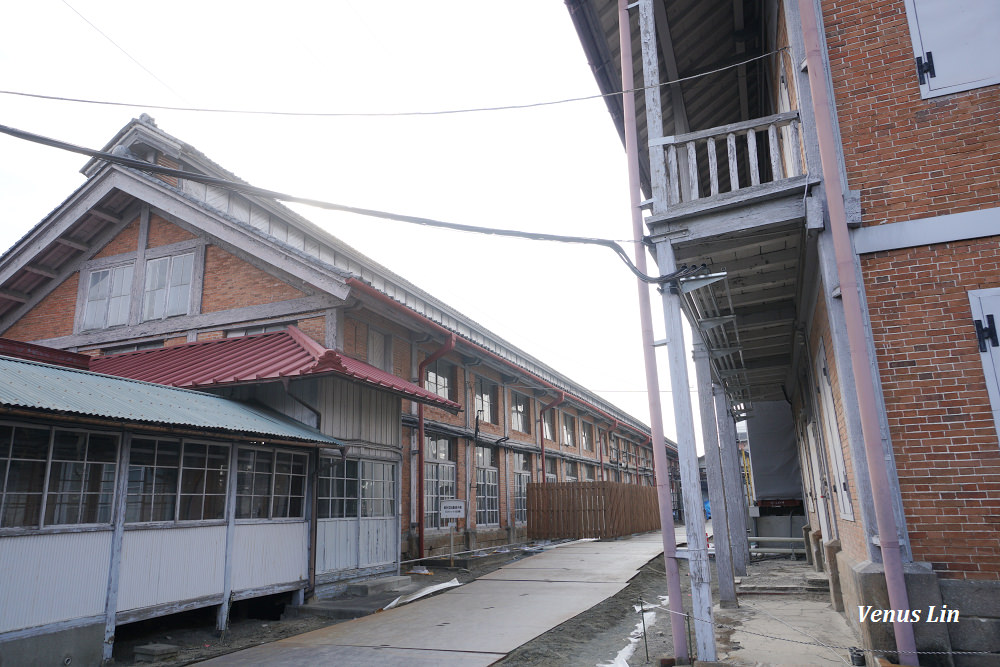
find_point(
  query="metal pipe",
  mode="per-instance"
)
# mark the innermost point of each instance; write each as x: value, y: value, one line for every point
x: 443, y: 350
x: 558, y: 400
x: 865, y: 384
x: 660, y: 465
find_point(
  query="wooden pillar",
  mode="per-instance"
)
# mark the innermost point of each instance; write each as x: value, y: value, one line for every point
x: 713, y: 464
x: 222, y: 618
x: 732, y: 474
x: 117, y: 536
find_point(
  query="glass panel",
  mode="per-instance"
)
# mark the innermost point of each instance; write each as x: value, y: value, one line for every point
x: 179, y: 291
x: 121, y: 296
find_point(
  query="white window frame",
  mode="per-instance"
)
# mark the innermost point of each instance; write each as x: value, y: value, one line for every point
x: 440, y: 478
x: 441, y: 377
x: 568, y: 430
x: 834, y: 446
x: 487, y: 400
x: 520, y: 413
x: 170, y: 290
x: 921, y: 45
x: 991, y: 357
x: 128, y: 268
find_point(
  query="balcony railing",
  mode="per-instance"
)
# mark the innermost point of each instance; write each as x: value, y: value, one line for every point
x: 757, y: 152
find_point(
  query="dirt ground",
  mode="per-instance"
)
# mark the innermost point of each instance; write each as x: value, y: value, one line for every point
x: 254, y: 622
x: 607, y: 635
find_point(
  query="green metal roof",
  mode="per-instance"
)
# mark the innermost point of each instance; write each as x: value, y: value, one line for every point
x: 29, y: 384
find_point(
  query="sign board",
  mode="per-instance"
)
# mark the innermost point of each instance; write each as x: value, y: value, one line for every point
x: 452, y: 509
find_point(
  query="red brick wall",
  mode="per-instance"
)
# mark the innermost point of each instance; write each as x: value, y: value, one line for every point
x: 163, y: 233
x: 942, y: 430
x: 127, y: 240
x: 910, y: 158
x: 314, y: 327
x: 232, y: 283
x: 52, y: 317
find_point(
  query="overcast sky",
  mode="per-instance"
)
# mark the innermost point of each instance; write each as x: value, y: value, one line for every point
x: 559, y: 169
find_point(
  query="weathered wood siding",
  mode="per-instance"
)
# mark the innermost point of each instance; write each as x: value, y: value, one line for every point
x: 580, y: 510
x: 171, y: 565
x: 51, y: 578
x: 266, y: 554
x: 337, y: 545
x: 356, y: 413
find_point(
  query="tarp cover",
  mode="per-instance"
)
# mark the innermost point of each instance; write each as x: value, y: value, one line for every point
x: 773, y: 453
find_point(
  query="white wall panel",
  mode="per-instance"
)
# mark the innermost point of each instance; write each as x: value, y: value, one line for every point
x: 269, y: 553
x: 50, y: 578
x: 353, y: 412
x: 171, y: 565
x: 336, y: 545
x: 379, y: 541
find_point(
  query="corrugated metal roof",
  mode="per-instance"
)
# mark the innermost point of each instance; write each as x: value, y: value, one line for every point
x: 29, y: 384
x: 284, y: 354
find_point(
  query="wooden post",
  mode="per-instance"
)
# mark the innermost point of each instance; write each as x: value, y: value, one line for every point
x: 713, y: 465
x: 117, y: 536
x: 733, y: 480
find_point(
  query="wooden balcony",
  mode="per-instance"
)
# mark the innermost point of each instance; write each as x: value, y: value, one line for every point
x: 761, y: 160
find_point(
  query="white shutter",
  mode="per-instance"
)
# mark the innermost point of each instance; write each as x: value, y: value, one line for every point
x: 986, y: 303
x: 961, y: 36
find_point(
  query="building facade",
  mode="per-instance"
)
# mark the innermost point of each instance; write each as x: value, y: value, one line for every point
x: 835, y: 164
x: 139, y: 267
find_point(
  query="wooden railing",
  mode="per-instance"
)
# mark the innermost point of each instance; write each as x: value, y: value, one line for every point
x: 578, y: 510
x: 692, y: 160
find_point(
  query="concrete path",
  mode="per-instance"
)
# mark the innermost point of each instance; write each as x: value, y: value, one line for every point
x: 475, y: 624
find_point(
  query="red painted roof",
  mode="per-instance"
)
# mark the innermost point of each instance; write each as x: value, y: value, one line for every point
x: 285, y: 354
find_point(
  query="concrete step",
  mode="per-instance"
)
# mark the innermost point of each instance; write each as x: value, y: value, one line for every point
x: 341, y: 608
x: 380, y: 585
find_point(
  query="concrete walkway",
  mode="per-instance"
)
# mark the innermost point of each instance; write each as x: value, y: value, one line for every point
x: 475, y: 624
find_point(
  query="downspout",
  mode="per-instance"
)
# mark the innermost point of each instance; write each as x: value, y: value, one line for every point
x: 865, y: 383
x: 443, y: 350
x: 665, y: 502
x: 559, y: 399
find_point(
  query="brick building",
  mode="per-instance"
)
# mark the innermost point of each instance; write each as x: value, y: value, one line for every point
x: 183, y: 282
x: 837, y: 163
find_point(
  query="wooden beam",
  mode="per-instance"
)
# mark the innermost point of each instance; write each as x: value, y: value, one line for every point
x: 40, y: 270
x: 13, y: 295
x: 107, y: 217
x: 70, y: 243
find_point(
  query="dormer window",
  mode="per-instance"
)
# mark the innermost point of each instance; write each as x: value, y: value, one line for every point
x: 107, y: 299
x: 132, y: 288
x: 168, y: 287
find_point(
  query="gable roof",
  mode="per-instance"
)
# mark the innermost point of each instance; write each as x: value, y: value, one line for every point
x: 270, y: 356
x: 261, y: 227
x: 33, y: 385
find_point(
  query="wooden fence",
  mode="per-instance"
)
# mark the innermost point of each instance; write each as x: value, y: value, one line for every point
x: 590, y: 509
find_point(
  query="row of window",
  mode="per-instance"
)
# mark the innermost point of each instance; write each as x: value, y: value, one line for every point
x: 107, y: 299
x: 56, y: 477
x: 440, y: 480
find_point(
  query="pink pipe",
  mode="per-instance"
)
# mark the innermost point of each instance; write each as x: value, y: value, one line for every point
x: 865, y: 384
x: 676, y: 602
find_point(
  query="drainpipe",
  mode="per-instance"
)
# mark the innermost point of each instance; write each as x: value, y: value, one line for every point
x: 443, y: 350
x: 676, y: 600
x: 887, y: 530
x: 559, y: 399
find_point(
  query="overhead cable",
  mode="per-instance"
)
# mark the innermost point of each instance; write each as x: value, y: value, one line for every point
x: 385, y: 114
x: 245, y: 188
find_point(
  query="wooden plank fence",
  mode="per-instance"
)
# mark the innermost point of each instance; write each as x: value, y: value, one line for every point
x: 578, y: 510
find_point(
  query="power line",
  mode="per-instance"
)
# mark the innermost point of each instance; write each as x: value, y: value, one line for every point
x: 380, y: 114
x: 119, y: 47
x: 245, y: 188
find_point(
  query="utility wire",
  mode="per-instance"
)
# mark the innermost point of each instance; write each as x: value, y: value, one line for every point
x: 245, y: 188
x: 384, y: 114
x: 119, y: 47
